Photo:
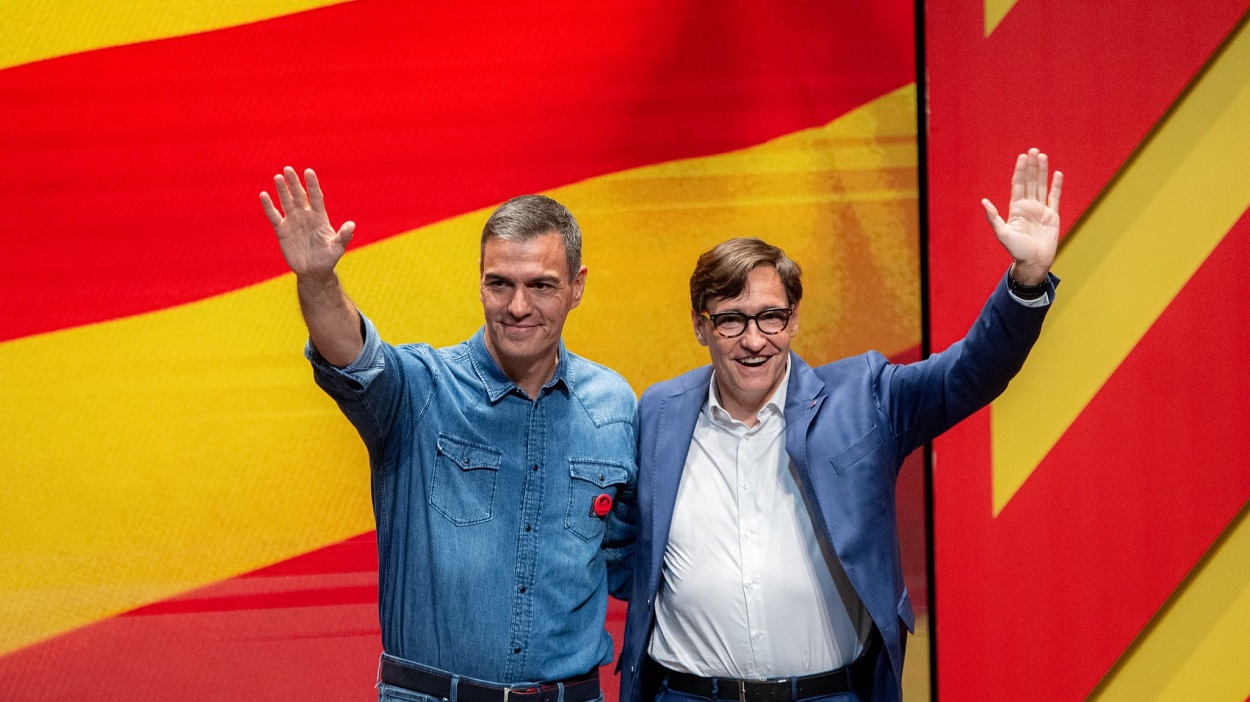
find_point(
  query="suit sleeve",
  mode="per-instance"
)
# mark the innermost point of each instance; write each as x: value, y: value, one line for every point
x: 924, y: 399
x: 621, y: 530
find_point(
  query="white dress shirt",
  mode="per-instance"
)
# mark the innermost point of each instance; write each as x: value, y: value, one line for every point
x: 748, y: 590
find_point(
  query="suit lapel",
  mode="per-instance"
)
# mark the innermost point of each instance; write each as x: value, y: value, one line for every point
x: 804, y: 397
x: 679, y: 413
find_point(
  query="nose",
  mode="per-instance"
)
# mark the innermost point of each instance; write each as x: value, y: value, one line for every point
x: 753, y: 339
x: 519, y: 306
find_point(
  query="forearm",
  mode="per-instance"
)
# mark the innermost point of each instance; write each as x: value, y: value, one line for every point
x: 332, y: 319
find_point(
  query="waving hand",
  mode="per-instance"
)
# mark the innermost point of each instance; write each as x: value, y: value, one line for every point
x: 309, y: 244
x: 1031, y: 231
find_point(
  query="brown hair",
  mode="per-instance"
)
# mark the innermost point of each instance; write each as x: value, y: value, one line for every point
x: 722, y: 271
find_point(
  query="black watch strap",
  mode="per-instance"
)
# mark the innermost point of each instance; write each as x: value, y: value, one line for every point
x: 1025, y: 292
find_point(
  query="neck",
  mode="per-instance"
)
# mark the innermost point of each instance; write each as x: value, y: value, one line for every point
x: 744, y: 410
x: 529, y: 375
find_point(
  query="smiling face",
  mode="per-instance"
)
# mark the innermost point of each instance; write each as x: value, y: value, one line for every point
x: 751, y: 366
x: 526, y: 295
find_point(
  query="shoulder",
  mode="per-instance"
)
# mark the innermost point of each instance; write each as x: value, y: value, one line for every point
x: 603, y: 392
x: 692, y: 380
x: 870, y: 363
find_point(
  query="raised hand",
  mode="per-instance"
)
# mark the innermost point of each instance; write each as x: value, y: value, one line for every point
x: 309, y: 244
x: 1031, y: 232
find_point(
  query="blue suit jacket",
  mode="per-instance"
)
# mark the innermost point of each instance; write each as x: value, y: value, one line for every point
x: 849, y: 425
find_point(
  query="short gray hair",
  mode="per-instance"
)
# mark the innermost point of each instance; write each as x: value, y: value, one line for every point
x: 528, y: 216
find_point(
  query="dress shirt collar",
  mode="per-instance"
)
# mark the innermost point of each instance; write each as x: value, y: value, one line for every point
x: 776, y: 405
x: 497, y: 383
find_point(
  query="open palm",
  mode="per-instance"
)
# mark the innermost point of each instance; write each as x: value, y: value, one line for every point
x: 310, y: 245
x: 1031, y: 231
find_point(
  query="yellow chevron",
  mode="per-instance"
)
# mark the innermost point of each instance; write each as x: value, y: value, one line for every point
x: 1126, y: 261
x: 147, y: 456
x: 41, y: 29
x: 1195, y: 648
x: 995, y: 11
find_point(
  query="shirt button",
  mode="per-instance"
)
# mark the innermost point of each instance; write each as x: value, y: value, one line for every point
x: 529, y: 527
x: 522, y: 589
x: 534, y: 467
x: 517, y: 649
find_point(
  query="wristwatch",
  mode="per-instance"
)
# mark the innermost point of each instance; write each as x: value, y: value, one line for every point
x: 1025, y: 292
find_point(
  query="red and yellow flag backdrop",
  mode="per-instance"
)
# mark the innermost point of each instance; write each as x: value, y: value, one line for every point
x: 184, y: 515
x: 1090, y: 527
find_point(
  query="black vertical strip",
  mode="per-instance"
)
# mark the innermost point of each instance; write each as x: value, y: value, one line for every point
x: 922, y: 200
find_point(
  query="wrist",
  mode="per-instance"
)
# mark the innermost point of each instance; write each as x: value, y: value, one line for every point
x: 1026, y: 285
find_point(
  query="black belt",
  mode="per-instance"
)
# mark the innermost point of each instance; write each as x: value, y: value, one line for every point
x: 857, y: 675
x: 583, y: 688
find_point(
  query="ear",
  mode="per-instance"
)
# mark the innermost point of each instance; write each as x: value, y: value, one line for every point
x: 794, y: 321
x: 700, y: 332
x: 579, y: 286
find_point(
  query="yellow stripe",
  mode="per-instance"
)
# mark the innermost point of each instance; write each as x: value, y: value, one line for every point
x: 150, y: 455
x: 995, y: 11
x: 41, y: 29
x: 1195, y: 649
x: 1127, y: 260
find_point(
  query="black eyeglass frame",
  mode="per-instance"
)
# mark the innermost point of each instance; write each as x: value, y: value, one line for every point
x: 747, y: 319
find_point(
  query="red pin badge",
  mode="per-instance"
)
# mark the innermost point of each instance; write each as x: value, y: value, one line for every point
x: 601, y: 505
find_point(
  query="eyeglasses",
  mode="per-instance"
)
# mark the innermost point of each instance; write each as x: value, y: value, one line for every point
x: 731, y: 324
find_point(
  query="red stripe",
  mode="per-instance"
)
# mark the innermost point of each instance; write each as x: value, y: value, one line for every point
x: 131, y: 174
x: 1085, y: 82
x: 1113, y: 519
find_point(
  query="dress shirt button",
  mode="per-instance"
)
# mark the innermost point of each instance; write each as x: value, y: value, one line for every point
x: 517, y: 649
x: 534, y: 467
x: 522, y: 589
x: 529, y: 527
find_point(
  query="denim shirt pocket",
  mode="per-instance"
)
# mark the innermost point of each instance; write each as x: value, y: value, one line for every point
x: 463, y: 486
x: 590, y: 478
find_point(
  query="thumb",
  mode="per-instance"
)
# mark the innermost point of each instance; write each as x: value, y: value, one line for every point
x: 996, y: 222
x: 345, y: 233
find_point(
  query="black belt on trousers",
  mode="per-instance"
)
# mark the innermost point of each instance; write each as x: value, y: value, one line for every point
x: 583, y: 688
x: 857, y: 675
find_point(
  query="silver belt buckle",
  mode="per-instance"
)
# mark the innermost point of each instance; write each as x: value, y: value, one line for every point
x: 742, y: 691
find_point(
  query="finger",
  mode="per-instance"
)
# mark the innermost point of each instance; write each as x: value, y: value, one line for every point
x: 315, y: 198
x: 1043, y: 165
x: 1030, y: 176
x: 1056, y: 189
x: 284, y: 193
x: 1017, y: 178
x: 991, y: 212
x: 298, y: 196
x: 345, y: 233
x: 275, y: 217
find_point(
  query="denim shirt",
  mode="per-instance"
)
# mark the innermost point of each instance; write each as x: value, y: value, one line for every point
x: 492, y: 560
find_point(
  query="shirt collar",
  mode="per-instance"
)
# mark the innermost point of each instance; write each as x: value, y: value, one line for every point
x: 776, y: 404
x: 496, y: 382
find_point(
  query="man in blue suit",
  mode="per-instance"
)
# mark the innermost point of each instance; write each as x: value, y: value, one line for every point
x: 767, y: 565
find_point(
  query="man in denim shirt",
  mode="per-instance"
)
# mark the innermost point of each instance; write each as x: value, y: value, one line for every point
x: 503, y: 468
